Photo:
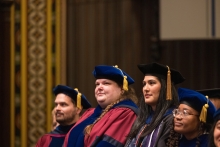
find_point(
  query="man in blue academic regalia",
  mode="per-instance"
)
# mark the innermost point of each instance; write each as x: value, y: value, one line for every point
x: 68, y: 106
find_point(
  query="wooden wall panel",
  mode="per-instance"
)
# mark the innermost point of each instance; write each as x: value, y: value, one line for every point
x: 101, y: 32
x: 196, y: 59
x: 5, y: 71
x: 126, y: 32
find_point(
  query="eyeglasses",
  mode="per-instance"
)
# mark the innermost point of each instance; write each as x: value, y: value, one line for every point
x: 182, y: 114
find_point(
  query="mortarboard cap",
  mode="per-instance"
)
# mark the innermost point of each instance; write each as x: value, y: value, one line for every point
x: 164, y: 72
x: 198, y: 102
x: 160, y: 70
x: 211, y: 93
x: 79, y: 98
x: 217, y: 115
x: 113, y: 73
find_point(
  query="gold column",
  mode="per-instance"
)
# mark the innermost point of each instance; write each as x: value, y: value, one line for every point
x: 24, y: 73
x: 58, y: 42
x: 63, y: 39
x: 49, y: 63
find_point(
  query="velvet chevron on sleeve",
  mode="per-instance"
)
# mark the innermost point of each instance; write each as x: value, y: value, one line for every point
x: 54, y: 138
x: 110, y: 131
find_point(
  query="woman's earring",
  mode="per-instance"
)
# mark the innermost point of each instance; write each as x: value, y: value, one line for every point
x: 122, y: 92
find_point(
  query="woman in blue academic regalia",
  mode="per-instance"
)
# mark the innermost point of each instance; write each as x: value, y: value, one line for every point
x: 215, y: 131
x: 192, y: 120
x: 156, y: 104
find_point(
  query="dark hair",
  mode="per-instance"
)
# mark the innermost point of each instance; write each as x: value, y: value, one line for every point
x: 174, y: 137
x: 145, y: 110
x: 211, y: 134
x: 73, y: 101
x: 74, y: 104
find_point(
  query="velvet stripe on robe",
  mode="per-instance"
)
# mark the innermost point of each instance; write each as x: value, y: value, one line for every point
x: 55, y: 138
x: 110, y: 131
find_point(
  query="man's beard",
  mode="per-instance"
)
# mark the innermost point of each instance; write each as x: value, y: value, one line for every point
x: 65, y: 121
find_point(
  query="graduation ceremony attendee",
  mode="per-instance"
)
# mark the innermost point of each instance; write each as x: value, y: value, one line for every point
x: 54, y: 122
x: 214, y: 139
x: 213, y: 94
x: 109, y: 123
x: 68, y: 105
x: 192, y: 120
x: 159, y: 98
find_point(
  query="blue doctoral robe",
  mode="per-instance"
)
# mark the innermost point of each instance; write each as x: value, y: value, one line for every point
x: 203, y: 139
x: 55, y: 138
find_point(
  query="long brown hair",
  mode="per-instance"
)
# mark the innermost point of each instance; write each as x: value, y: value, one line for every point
x: 145, y: 110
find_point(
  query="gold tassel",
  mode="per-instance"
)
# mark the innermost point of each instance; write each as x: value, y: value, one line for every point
x: 78, y: 103
x: 169, y: 94
x: 203, y: 114
x: 125, y: 83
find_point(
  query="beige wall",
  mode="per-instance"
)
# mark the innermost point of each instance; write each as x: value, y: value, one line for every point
x: 188, y: 19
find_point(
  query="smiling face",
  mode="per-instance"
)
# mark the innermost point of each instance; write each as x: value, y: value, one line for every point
x: 187, y: 125
x: 107, y: 92
x: 66, y: 112
x: 151, y: 90
x: 217, y: 134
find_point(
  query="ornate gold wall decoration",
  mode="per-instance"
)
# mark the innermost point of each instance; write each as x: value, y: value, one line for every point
x: 35, y: 68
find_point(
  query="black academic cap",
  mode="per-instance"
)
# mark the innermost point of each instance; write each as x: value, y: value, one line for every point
x: 217, y: 115
x: 211, y: 93
x: 160, y: 70
x: 79, y: 98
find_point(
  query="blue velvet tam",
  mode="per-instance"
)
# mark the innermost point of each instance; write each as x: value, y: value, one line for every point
x: 112, y: 73
x: 160, y: 71
x: 72, y: 93
x: 198, y: 102
x: 217, y: 115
